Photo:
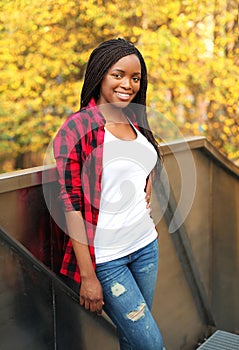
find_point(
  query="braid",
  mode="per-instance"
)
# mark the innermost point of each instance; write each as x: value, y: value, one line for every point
x: 101, y: 59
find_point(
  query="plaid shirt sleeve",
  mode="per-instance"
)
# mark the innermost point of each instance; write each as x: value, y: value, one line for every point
x: 79, y: 164
x: 68, y: 163
x: 67, y: 152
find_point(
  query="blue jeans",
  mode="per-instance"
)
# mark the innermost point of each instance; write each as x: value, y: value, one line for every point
x: 128, y: 286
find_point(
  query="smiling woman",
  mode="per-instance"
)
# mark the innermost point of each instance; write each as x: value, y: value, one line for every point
x: 122, y: 81
x: 105, y: 156
x: 119, y: 87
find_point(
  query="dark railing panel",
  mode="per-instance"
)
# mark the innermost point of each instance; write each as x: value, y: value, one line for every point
x: 25, y: 217
x: 78, y: 329
x: 225, y: 250
x: 39, y: 312
x: 26, y: 312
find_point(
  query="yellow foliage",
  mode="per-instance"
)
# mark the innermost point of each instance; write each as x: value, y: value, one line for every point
x: 191, y: 55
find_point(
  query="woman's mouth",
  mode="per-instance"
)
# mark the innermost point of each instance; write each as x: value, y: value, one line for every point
x: 123, y: 96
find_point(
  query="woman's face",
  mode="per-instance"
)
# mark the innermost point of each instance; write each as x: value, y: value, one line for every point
x: 122, y: 82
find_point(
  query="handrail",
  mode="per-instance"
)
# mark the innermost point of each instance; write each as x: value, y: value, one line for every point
x: 206, y: 146
x: 18, y: 179
x: 33, y: 176
x: 37, y: 264
x: 16, y: 246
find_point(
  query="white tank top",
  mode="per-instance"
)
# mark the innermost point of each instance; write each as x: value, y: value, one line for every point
x: 124, y: 223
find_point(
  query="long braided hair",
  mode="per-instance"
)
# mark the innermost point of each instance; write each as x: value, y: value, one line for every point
x: 101, y: 59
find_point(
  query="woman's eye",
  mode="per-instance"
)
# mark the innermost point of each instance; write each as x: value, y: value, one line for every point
x: 136, y: 79
x: 117, y: 76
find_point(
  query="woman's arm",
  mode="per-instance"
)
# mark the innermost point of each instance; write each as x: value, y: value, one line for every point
x: 68, y: 154
x: 91, y: 295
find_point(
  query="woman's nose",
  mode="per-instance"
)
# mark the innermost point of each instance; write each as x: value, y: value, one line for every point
x: 126, y: 83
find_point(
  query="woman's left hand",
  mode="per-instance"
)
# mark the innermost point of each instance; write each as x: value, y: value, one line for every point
x: 147, y: 200
x: 148, y: 193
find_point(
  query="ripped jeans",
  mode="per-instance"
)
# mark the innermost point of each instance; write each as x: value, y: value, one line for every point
x: 128, y: 286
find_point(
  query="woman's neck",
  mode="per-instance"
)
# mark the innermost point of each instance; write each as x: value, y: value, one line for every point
x: 113, y: 114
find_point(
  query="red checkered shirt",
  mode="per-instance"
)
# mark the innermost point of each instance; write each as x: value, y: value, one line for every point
x: 78, y: 150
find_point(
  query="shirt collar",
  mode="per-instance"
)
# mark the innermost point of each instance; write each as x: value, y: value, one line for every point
x: 96, y: 111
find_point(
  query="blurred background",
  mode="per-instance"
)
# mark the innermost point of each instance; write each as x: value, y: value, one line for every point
x: 191, y: 49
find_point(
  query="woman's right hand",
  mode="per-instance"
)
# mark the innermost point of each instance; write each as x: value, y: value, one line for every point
x: 91, y: 294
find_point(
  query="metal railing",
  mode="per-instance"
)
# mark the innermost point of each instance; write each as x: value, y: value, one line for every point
x: 198, y: 266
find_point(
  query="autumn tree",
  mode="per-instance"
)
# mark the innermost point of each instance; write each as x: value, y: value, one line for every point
x: 195, y: 77
x: 190, y: 47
